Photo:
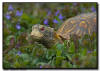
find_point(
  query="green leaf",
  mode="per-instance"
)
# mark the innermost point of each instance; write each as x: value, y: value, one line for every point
x: 8, y: 39
x: 50, y: 53
x: 35, y: 61
x: 25, y: 16
x: 60, y: 46
x: 69, y: 57
x: 17, y: 65
x: 72, y: 47
x: 40, y: 63
x: 68, y: 65
x: 6, y: 64
x: 25, y: 56
x: 59, y: 52
x: 95, y: 52
x: 84, y: 52
x: 58, y: 60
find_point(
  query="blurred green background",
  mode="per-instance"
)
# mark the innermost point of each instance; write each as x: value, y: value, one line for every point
x: 18, y: 19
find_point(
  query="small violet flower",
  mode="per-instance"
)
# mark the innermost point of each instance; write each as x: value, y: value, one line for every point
x: 46, y: 21
x: 17, y: 45
x: 40, y: 66
x: 89, y: 51
x: 74, y: 3
x: 61, y: 17
x: 57, y: 13
x: 10, y: 8
x: 49, y: 13
x: 12, y: 41
x: 8, y: 16
x: 19, y: 53
x: 18, y: 26
x: 19, y: 13
x: 93, y: 9
x: 55, y: 21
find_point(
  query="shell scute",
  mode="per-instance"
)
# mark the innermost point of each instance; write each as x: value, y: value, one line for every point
x: 79, y: 25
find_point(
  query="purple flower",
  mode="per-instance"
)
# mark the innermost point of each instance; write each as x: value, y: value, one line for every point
x: 49, y: 13
x: 40, y: 66
x: 93, y: 9
x: 74, y: 3
x: 18, y: 26
x: 12, y: 41
x: 89, y: 51
x: 8, y: 16
x: 17, y: 45
x: 19, y: 53
x: 19, y: 13
x: 10, y: 8
x: 55, y: 21
x: 61, y: 17
x: 57, y: 13
x: 46, y: 21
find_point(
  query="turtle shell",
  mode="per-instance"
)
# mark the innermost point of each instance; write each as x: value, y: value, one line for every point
x: 78, y: 25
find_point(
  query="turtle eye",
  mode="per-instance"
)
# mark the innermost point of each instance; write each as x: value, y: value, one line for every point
x: 42, y: 29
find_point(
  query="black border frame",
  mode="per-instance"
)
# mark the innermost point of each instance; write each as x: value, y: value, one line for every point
x: 97, y: 12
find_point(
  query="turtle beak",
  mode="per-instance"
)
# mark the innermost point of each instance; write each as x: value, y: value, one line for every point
x: 36, y: 33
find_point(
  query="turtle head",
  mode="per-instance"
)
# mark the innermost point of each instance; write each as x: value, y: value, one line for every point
x: 36, y: 32
x: 42, y: 32
x: 45, y: 35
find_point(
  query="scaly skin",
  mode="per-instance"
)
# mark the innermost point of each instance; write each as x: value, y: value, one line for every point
x: 44, y: 35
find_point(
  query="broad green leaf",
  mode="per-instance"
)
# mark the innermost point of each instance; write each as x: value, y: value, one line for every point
x: 84, y: 52
x: 72, y: 47
x: 59, y: 52
x: 25, y: 16
x: 58, y: 60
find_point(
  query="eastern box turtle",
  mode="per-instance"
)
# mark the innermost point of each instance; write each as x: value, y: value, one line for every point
x: 78, y: 25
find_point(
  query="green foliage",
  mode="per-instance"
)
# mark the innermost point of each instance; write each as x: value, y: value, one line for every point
x: 72, y: 48
x: 28, y: 54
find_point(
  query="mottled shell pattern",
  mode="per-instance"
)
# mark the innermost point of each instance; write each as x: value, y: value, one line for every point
x: 79, y: 25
